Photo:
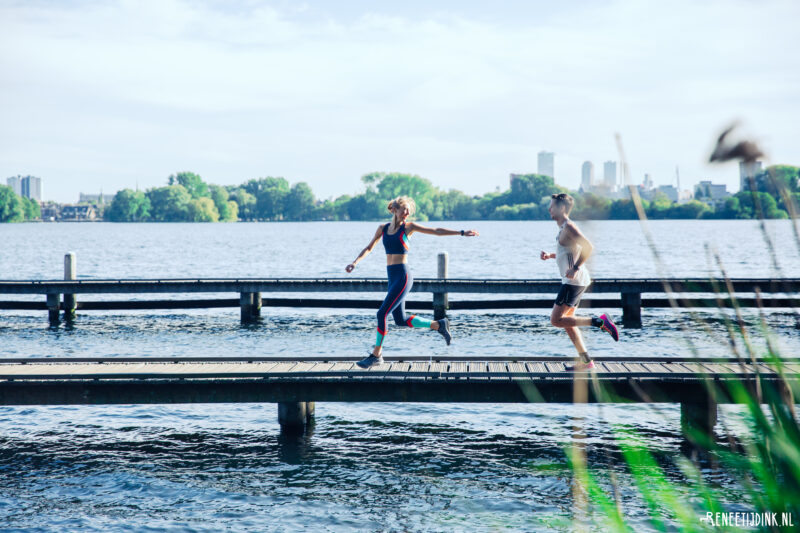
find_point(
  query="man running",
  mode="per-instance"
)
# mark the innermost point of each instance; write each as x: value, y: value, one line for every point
x: 572, y: 251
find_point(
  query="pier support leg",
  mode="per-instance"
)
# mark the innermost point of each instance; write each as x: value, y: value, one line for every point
x: 632, y: 309
x: 700, y: 416
x: 70, y: 273
x: 53, y: 308
x: 256, y: 304
x: 246, y: 307
x: 440, y: 299
x: 293, y: 416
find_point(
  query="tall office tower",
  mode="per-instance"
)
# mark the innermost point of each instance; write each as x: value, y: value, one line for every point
x: 748, y: 170
x: 15, y: 185
x: 610, y: 174
x: 647, y: 184
x: 587, y: 175
x: 546, y: 165
x: 32, y: 188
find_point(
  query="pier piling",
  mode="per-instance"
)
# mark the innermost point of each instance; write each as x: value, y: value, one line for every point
x: 53, y: 309
x: 631, y: 309
x: 440, y: 299
x: 256, y: 304
x: 247, y: 306
x: 70, y: 274
x: 699, y: 416
x: 293, y: 416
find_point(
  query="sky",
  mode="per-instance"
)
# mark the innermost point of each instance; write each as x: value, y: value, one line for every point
x: 107, y: 95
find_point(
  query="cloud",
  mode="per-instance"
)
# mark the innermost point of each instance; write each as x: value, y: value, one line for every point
x: 237, y: 90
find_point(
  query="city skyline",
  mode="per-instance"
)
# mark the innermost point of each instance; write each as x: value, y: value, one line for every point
x: 455, y: 92
x: 745, y: 171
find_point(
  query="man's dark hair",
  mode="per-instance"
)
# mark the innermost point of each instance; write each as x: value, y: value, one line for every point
x: 564, y: 199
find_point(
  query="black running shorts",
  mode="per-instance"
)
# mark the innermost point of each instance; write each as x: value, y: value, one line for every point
x: 569, y: 295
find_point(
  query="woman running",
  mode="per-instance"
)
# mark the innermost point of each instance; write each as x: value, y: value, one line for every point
x: 395, y: 236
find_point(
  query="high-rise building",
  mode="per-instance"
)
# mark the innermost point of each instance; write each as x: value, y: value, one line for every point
x: 587, y: 175
x: 610, y: 174
x: 15, y: 184
x: 96, y: 198
x: 32, y: 188
x: 748, y: 170
x: 711, y: 191
x: 546, y: 165
x: 670, y: 191
x: 648, y: 182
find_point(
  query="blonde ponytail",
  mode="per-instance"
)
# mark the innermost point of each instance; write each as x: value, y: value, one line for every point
x: 403, y: 201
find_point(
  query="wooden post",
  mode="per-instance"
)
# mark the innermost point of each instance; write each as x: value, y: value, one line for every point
x: 53, y: 309
x: 70, y: 270
x: 440, y: 299
x: 246, y: 306
x: 256, y: 304
x: 632, y: 309
x: 292, y: 416
x: 699, y: 416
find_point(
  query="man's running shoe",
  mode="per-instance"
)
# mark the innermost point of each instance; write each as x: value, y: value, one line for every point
x: 578, y: 367
x: 609, y: 326
x: 444, y: 330
x: 370, y: 361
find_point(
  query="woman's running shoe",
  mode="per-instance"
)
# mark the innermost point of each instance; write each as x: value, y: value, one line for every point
x: 578, y: 367
x: 370, y: 361
x: 609, y: 326
x: 444, y: 330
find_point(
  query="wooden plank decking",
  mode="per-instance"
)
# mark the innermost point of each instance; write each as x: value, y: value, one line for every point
x: 439, y: 369
x: 61, y: 381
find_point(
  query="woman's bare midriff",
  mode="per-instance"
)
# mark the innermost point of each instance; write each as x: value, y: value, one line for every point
x: 396, y: 259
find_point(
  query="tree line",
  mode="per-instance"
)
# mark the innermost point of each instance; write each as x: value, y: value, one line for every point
x: 15, y: 208
x: 774, y: 194
x: 187, y: 198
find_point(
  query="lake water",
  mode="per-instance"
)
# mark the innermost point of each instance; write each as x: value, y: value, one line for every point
x: 366, y: 466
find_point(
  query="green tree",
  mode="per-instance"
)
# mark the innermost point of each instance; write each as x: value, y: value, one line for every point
x: 759, y: 205
x: 270, y: 196
x: 388, y: 185
x: 531, y: 188
x: 11, y: 207
x: 299, y: 202
x: 691, y: 209
x: 193, y: 183
x: 625, y: 209
x: 233, y: 211
x: 169, y: 204
x: 659, y: 206
x: 202, y: 210
x: 529, y: 211
x: 128, y: 206
x: 32, y: 208
x: 367, y: 206
x: 455, y: 205
x: 222, y: 202
x: 340, y: 207
x: 246, y: 203
x: 589, y: 206
x: 730, y: 209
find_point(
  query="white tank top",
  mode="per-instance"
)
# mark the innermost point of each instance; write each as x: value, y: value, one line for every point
x: 566, y: 257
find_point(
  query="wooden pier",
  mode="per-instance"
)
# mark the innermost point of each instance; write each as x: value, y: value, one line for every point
x: 62, y: 295
x: 297, y: 384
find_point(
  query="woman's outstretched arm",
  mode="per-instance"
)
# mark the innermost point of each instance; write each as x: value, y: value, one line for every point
x: 365, y: 252
x: 413, y: 226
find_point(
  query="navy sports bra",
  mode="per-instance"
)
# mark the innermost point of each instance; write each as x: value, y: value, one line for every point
x: 395, y: 243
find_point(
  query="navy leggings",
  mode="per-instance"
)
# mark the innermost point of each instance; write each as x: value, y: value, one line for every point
x: 400, y: 282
